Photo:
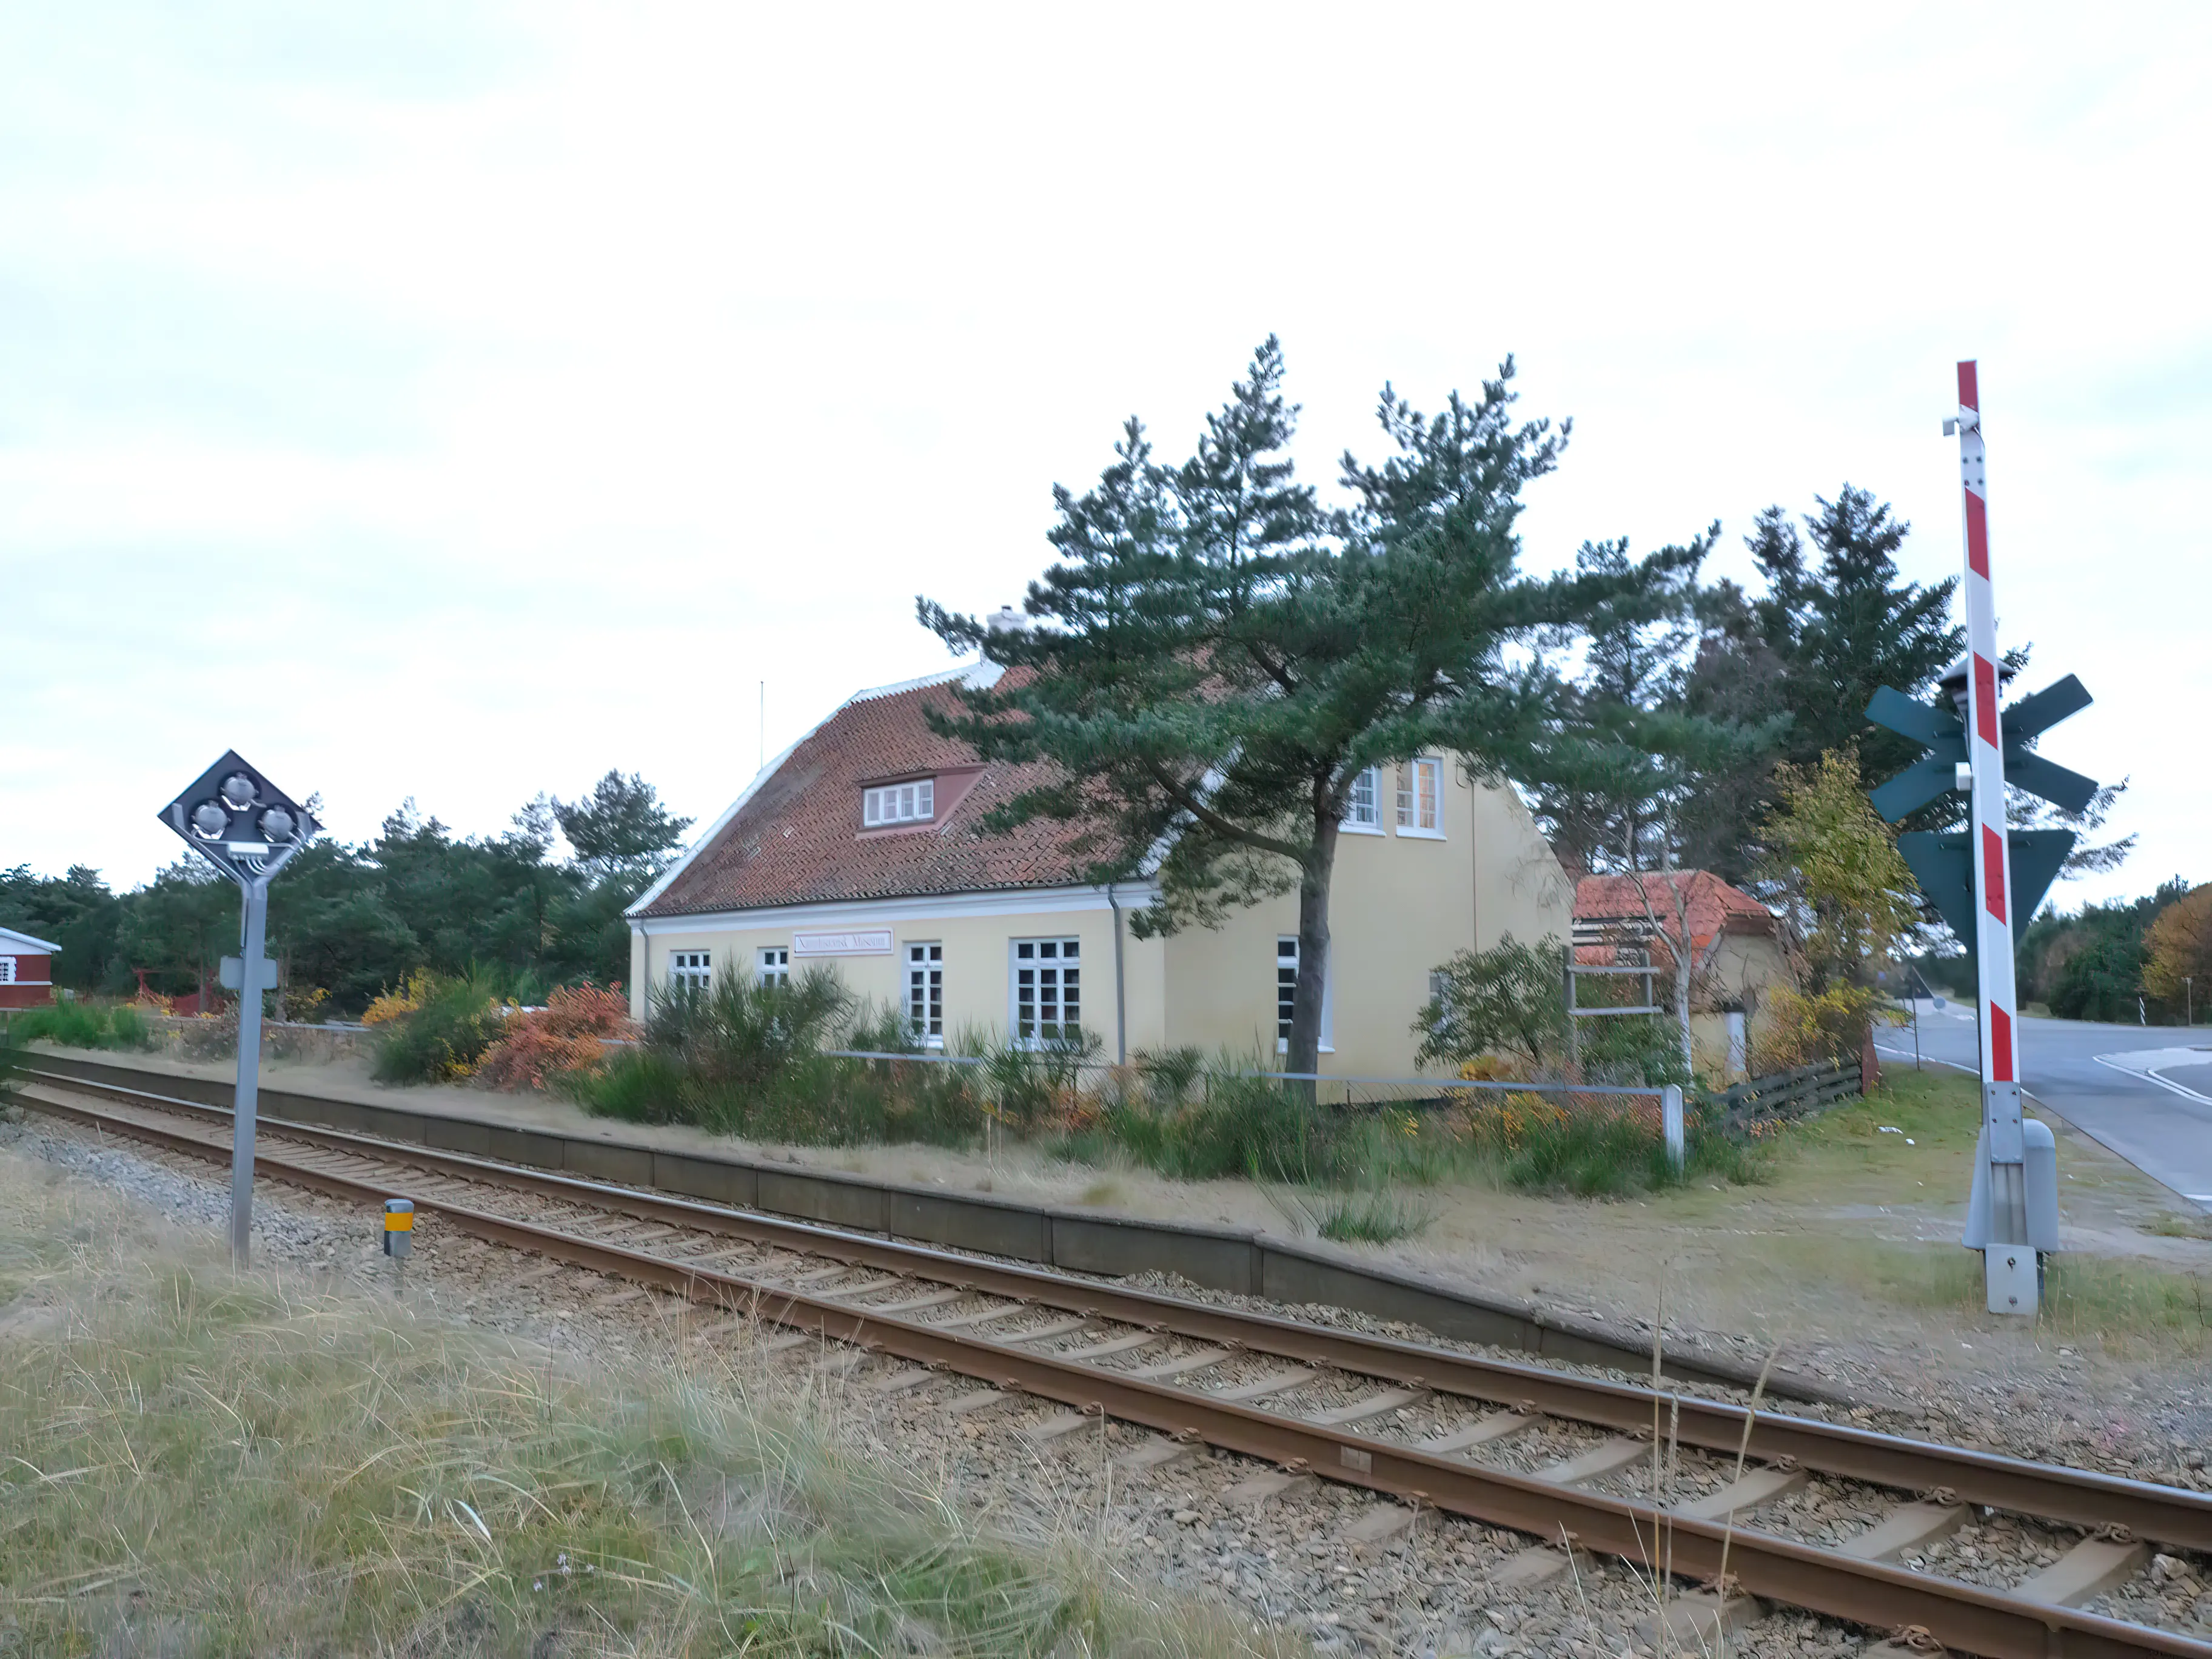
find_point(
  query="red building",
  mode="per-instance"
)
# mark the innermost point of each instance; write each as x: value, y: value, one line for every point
x: 26, y: 976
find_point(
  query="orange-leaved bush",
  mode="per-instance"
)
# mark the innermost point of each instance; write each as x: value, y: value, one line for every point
x: 567, y: 1035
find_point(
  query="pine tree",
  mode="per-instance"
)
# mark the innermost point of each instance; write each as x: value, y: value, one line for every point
x: 1735, y: 680
x: 1215, y: 661
x: 1848, y: 625
x: 1617, y: 802
x: 620, y: 832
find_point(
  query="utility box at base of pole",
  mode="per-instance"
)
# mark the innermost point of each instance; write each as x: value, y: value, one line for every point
x: 398, y: 1227
x: 2040, y: 1167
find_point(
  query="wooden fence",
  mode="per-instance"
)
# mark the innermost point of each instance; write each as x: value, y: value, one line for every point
x: 1789, y: 1094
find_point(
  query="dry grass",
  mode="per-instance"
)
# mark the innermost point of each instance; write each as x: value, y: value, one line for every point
x: 2167, y: 1224
x: 2127, y: 1307
x: 2120, y: 1302
x: 194, y: 1462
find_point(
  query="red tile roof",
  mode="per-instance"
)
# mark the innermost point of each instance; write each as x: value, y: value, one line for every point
x: 1713, y: 906
x: 797, y: 839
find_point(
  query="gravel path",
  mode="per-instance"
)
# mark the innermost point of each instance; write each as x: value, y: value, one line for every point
x: 1295, y: 1559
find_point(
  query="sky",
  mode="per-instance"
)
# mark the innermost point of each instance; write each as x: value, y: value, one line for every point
x: 455, y: 401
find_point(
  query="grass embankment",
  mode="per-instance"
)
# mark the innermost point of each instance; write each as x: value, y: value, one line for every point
x: 200, y: 1463
x: 1909, y: 1150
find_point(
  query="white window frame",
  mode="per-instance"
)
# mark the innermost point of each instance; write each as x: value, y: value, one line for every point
x: 693, y: 968
x: 1411, y: 774
x: 1362, y: 808
x: 889, y: 804
x: 1287, y: 950
x: 1059, y: 974
x: 924, y: 992
x: 773, y: 964
x: 7, y: 970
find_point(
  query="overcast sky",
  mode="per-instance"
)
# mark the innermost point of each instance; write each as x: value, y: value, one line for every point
x: 456, y: 402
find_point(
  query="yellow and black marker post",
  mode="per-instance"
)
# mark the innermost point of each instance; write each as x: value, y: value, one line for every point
x: 398, y: 1226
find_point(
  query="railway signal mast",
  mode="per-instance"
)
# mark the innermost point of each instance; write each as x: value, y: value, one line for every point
x: 248, y: 829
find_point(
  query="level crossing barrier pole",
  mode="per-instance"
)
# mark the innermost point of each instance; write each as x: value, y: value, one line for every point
x: 2009, y: 1269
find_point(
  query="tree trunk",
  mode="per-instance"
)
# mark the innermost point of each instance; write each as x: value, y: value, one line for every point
x: 1682, y: 998
x: 1313, y: 956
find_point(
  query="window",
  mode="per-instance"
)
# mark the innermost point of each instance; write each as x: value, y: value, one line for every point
x: 775, y: 965
x: 899, y: 803
x: 1365, y: 811
x: 1048, y: 990
x: 925, y: 993
x: 1286, y: 991
x: 690, y: 969
x: 7, y: 970
x: 1420, y: 789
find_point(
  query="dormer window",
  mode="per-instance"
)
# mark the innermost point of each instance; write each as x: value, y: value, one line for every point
x: 899, y: 803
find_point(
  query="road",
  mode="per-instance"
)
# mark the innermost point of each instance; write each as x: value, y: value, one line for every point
x: 2144, y: 1092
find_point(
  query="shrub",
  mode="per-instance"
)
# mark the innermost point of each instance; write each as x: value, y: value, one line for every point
x: 1799, y: 1029
x: 742, y: 1058
x: 538, y: 1045
x: 1239, y: 1125
x: 444, y: 1036
x: 1511, y: 996
x: 639, y: 1086
x: 1603, y: 1151
x: 1642, y: 1049
x: 389, y: 1005
x: 740, y: 1034
x: 1029, y: 1088
x: 81, y: 1024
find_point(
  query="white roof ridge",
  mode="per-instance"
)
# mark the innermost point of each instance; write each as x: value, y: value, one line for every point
x: 977, y: 673
x: 37, y: 943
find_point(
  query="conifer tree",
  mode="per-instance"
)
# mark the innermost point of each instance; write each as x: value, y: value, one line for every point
x: 1847, y: 625
x: 1214, y: 662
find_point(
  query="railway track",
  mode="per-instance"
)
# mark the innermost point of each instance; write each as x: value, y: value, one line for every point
x: 1873, y: 1529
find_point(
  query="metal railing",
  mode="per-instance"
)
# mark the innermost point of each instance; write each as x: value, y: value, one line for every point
x: 1354, y: 1083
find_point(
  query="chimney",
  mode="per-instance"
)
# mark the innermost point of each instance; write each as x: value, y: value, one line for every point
x: 1008, y: 620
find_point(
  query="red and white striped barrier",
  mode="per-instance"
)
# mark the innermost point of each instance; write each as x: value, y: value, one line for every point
x: 2011, y: 1272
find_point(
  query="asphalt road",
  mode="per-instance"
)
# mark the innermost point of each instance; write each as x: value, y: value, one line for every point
x: 2144, y: 1092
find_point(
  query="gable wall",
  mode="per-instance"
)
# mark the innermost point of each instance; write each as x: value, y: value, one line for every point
x: 1400, y: 906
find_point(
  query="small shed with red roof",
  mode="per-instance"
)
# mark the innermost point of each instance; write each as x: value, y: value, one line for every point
x: 27, y: 969
x: 1737, y: 950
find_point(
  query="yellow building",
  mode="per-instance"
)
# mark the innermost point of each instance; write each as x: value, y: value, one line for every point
x: 861, y: 848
